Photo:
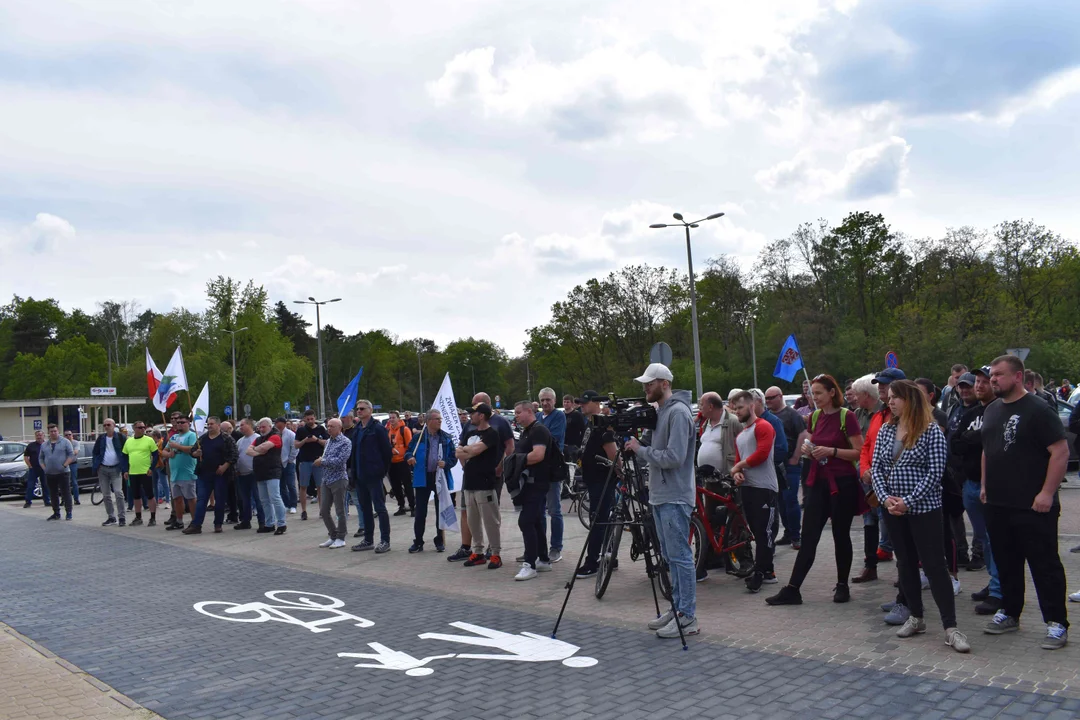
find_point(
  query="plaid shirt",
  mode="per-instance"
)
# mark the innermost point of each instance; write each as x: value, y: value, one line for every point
x: 916, y: 476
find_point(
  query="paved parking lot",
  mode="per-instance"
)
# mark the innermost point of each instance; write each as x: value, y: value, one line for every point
x: 817, y: 660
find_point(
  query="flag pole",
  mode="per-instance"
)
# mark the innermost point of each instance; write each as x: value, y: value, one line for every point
x: 805, y: 374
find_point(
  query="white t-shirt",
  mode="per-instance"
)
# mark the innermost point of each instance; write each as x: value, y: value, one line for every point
x: 711, y: 451
x: 110, y: 453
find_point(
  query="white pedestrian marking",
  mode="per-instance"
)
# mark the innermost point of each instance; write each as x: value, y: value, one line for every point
x: 387, y: 659
x: 524, y: 647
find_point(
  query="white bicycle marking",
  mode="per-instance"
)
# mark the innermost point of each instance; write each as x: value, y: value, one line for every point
x: 308, y: 603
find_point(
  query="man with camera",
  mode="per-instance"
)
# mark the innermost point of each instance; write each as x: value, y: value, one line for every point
x: 669, y: 452
x: 597, y: 441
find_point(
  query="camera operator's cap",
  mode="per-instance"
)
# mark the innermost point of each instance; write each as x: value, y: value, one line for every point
x: 589, y: 396
x: 482, y: 408
x: 889, y: 375
x: 984, y: 371
x: 966, y: 379
x: 656, y: 371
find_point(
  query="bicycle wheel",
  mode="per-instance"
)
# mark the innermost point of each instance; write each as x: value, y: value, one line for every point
x: 583, y: 511
x: 96, y: 498
x: 699, y: 543
x: 655, y: 562
x: 609, y: 554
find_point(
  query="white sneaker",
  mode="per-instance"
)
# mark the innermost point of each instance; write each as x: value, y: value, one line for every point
x: 327, y: 543
x: 542, y: 566
x: 292, y: 511
x: 671, y: 630
x: 1075, y: 597
x: 337, y: 544
x: 923, y: 579
x: 661, y: 621
x: 526, y: 572
x: 955, y: 586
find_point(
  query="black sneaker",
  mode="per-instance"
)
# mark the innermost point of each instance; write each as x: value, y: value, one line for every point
x: 281, y: 530
x: 788, y: 595
x: 587, y: 570
x: 977, y: 563
x: 266, y: 529
x: 981, y: 595
x: 359, y: 533
x: 26, y: 505
x: 462, y: 553
x: 755, y: 581
x: 122, y: 522
x: 365, y: 545
x: 193, y: 530
x: 303, y: 515
x: 107, y: 523
x: 476, y: 560
x: 702, y: 575
x: 68, y: 516
x: 137, y: 521
x: 400, y: 511
x: 439, y: 547
x: 55, y: 516
x: 151, y: 522
x: 989, y: 606
x: 962, y: 559
x: 175, y: 525
x: 77, y: 501
x: 842, y: 593
x: 770, y: 578
x: 242, y: 526
x: 785, y: 540
x: 417, y: 546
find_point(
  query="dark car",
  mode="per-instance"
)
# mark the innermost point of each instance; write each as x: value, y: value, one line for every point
x: 1065, y: 410
x: 13, y: 474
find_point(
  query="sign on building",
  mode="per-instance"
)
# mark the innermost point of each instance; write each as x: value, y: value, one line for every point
x: 102, y: 392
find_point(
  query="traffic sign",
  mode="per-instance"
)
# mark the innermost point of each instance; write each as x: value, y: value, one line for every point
x: 661, y: 353
x: 228, y: 411
x: 247, y: 410
x: 37, y: 424
x: 1021, y: 353
x: 376, y: 407
x: 306, y: 408
x: 288, y: 406
x: 891, y: 360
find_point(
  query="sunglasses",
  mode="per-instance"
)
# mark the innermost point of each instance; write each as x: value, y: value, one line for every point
x: 772, y: 397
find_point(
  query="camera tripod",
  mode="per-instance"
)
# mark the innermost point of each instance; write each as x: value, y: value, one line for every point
x: 630, y: 512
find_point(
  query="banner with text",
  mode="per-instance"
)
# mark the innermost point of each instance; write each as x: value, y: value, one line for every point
x: 451, y: 424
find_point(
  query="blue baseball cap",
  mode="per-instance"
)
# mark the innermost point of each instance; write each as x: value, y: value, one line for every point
x: 889, y: 375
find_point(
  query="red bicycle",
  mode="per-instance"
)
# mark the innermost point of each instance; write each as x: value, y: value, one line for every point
x: 717, y: 523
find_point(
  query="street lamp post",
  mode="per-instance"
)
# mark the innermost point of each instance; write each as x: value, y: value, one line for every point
x: 420, y: 370
x: 232, y: 333
x: 318, y: 334
x: 693, y: 288
x: 473, y: 371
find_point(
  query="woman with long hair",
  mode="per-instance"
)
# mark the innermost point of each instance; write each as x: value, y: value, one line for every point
x: 832, y: 489
x: 909, y: 460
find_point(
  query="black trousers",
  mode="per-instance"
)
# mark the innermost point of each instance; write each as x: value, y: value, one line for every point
x: 600, y: 505
x: 401, y: 484
x: 819, y: 505
x: 531, y: 522
x: 1018, y: 535
x: 759, y: 506
x: 422, y: 495
x: 60, y: 483
x: 918, y: 539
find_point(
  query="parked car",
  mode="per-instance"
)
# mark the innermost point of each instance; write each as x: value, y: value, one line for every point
x: 13, y: 474
x: 1065, y: 410
x: 11, y: 451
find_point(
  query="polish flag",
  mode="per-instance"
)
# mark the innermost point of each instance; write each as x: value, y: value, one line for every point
x: 153, y: 381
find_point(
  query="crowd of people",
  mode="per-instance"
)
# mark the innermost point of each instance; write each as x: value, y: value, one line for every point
x: 909, y: 461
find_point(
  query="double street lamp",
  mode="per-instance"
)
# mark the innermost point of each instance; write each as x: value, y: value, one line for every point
x: 318, y: 334
x: 236, y: 411
x: 693, y: 290
x: 473, y: 370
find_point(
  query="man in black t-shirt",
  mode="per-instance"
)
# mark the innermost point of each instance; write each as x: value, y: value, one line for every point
x: 310, y: 439
x: 535, y: 444
x: 1025, y: 454
x: 33, y: 469
x: 575, y: 423
x: 600, y: 441
x: 481, y: 452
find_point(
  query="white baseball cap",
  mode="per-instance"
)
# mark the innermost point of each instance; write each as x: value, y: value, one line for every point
x: 656, y: 371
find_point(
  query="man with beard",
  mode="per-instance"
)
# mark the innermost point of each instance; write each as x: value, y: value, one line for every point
x: 755, y: 472
x: 1025, y: 453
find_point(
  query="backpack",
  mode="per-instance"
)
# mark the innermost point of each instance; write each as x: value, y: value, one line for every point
x: 843, y: 420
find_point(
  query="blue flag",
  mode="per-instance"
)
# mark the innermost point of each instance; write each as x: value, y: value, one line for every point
x: 347, y: 399
x: 790, y: 361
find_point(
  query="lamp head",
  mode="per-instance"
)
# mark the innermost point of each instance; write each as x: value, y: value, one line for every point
x: 677, y: 216
x: 715, y: 215
x: 658, y: 225
x: 311, y: 298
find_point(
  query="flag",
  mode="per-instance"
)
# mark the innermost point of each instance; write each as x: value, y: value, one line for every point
x: 200, y: 412
x: 153, y: 381
x: 790, y: 361
x: 347, y: 399
x: 173, y: 380
x: 451, y: 424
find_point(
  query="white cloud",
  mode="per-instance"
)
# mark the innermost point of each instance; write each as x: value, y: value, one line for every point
x: 49, y: 233
x: 872, y: 171
x: 380, y: 273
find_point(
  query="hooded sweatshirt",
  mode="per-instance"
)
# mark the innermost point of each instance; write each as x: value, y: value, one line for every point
x: 670, y: 453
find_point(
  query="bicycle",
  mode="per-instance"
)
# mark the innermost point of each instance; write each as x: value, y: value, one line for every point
x: 722, y: 529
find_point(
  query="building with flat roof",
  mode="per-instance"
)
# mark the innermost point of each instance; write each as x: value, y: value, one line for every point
x: 82, y: 415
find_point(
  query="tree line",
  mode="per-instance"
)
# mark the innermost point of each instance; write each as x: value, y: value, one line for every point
x: 851, y: 293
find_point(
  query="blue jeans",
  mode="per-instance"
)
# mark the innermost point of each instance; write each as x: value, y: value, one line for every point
x: 788, y: 503
x: 877, y: 517
x: 352, y: 497
x: 204, y: 485
x: 161, y: 482
x: 288, y: 485
x: 270, y: 499
x: 372, y: 501
x: 553, y: 504
x: 74, y: 470
x: 673, y: 529
x: 974, y: 508
x: 33, y: 477
x: 245, y: 488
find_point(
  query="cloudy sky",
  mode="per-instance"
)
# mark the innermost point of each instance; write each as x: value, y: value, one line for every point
x: 453, y: 168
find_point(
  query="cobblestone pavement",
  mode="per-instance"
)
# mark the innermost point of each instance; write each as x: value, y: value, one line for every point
x: 38, y: 684
x: 817, y: 660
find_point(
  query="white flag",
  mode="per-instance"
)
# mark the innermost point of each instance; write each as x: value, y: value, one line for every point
x: 451, y: 424
x: 201, y: 411
x: 174, y: 378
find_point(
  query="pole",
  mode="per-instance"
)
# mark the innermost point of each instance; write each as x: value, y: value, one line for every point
x: 693, y: 315
x: 233, y: 336
x: 318, y: 334
x: 420, y: 368
x: 528, y: 379
x: 807, y: 376
x: 753, y: 351
x: 473, y: 370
